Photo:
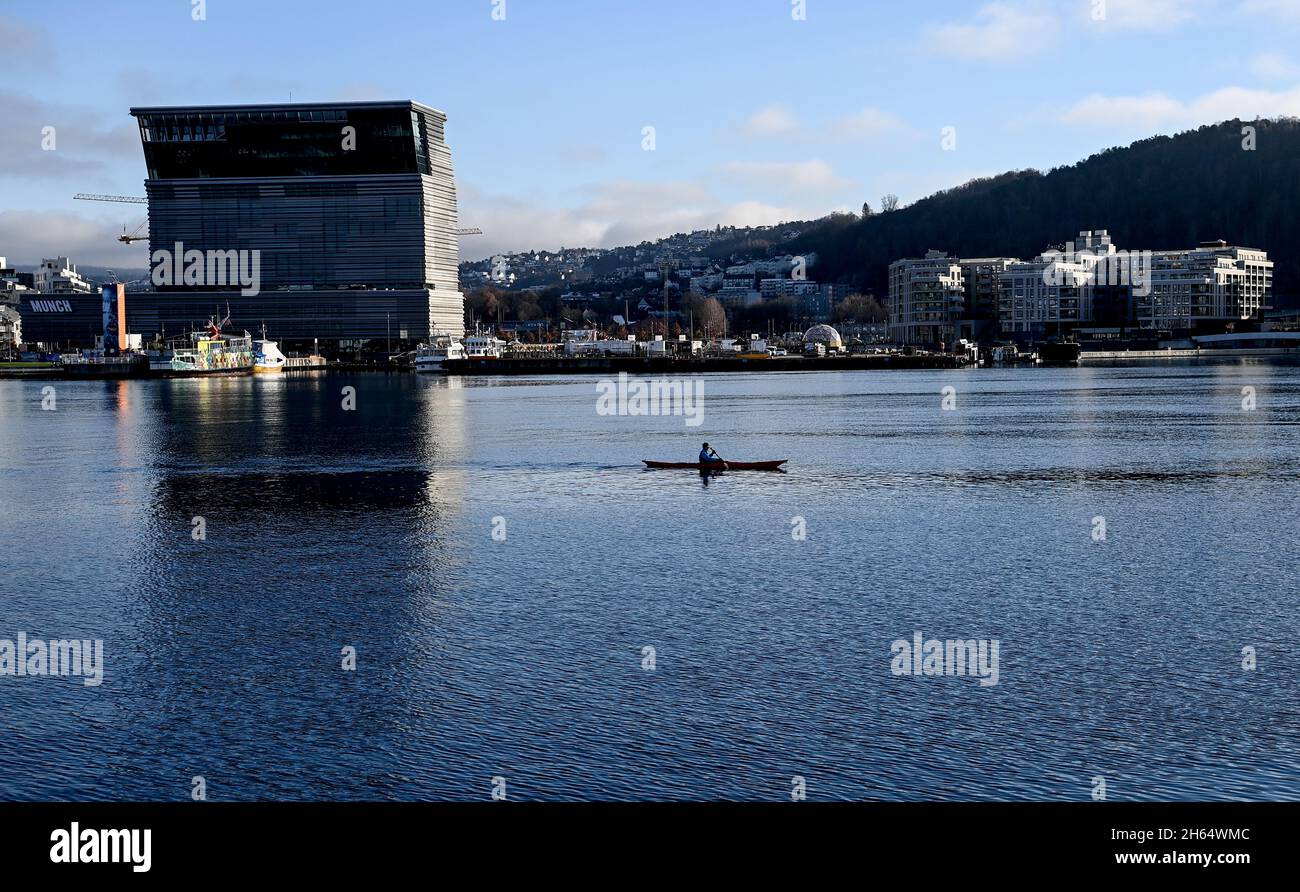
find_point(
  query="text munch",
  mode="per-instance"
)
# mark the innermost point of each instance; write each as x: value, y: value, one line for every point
x: 50, y: 306
x: 90, y: 846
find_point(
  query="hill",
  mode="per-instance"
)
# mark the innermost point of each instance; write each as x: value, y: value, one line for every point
x: 1165, y: 192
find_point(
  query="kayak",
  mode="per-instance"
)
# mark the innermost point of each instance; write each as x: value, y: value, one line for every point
x: 720, y: 466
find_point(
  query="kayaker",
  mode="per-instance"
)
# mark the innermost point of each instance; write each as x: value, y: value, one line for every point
x: 708, y: 456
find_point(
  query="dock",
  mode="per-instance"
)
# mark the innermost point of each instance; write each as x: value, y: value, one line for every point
x: 600, y: 365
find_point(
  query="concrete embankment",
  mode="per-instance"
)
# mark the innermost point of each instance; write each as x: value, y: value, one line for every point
x: 570, y: 365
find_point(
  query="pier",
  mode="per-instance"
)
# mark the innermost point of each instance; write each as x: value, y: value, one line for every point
x: 569, y: 365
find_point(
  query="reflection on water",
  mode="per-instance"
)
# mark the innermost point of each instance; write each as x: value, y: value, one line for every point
x: 326, y: 528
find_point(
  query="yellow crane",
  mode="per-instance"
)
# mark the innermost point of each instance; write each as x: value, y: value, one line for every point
x: 126, y: 238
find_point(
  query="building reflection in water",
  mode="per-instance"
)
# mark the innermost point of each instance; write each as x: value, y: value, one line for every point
x: 321, y: 528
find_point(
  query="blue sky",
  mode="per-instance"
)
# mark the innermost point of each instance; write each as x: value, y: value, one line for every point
x: 759, y: 117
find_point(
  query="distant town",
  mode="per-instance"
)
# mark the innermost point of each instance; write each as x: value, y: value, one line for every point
x: 353, y: 255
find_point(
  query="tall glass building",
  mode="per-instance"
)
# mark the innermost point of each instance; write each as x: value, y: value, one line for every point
x: 350, y: 206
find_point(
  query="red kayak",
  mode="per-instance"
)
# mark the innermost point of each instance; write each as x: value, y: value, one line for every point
x: 720, y: 465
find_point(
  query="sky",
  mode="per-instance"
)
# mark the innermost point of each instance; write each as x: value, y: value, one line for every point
x: 762, y: 110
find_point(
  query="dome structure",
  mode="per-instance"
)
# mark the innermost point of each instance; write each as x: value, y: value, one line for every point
x: 823, y: 334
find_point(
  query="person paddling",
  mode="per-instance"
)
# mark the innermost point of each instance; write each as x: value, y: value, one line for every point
x: 709, y: 457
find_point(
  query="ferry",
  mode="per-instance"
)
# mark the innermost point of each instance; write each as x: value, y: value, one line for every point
x: 206, y: 353
x: 432, y: 357
x: 480, y: 346
x: 267, y: 358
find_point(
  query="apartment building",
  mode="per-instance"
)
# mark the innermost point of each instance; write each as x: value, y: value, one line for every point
x: 927, y: 298
x: 1204, y: 288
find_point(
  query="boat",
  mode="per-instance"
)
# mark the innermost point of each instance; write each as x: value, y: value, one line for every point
x: 204, y: 353
x: 1060, y: 353
x: 97, y: 364
x: 267, y: 357
x: 432, y: 357
x: 481, y: 346
x: 719, y: 466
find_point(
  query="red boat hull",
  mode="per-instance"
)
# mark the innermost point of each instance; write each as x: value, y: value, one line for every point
x: 720, y: 466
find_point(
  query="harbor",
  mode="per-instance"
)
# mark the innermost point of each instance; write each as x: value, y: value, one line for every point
x: 373, y: 527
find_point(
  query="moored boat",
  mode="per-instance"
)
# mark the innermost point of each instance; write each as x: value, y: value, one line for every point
x: 433, y: 356
x: 95, y: 364
x: 207, y: 353
x: 481, y: 346
x: 267, y: 357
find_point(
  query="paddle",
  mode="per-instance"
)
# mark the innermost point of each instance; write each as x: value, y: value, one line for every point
x: 722, y: 461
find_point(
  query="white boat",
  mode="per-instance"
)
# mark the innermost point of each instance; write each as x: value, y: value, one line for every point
x: 431, y: 357
x: 481, y: 346
x: 267, y: 356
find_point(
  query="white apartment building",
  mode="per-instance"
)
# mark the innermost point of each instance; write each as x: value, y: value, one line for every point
x: 926, y: 299
x: 706, y: 283
x: 59, y: 276
x: 1054, y: 290
x: 770, y: 288
x: 11, y: 329
x: 11, y: 290
x: 1215, y: 282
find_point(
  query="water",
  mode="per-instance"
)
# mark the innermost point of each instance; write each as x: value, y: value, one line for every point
x: 522, y: 658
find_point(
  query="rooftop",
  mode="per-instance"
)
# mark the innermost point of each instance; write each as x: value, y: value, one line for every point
x: 283, y: 106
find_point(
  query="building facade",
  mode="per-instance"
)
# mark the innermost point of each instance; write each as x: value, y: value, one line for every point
x: 11, y: 330
x: 982, y: 289
x: 59, y: 275
x: 927, y: 299
x: 1053, y: 294
x: 1205, y: 288
x: 346, y: 211
x: 13, y: 284
x: 1089, y: 281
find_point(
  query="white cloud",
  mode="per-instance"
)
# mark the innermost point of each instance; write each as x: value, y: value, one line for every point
x: 84, y: 140
x: 1150, y: 110
x: 786, y: 177
x: 1001, y: 32
x: 1286, y: 10
x: 28, y: 236
x: 1157, y: 111
x: 774, y: 120
x: 1274, y: 67
x: 1149, y: 15
x: 612, y: 214
x: 867, y: 123
x: 781, y: 121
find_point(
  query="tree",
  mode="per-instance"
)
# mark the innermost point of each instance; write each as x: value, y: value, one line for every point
x: 889, y: 203
x: 866, y: 210
x: 859, y: 308
x: 710, y: 317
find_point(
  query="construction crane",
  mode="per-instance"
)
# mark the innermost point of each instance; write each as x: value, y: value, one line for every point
x: 121, y: 199
x: 135, y: 235
x: 126, y: 238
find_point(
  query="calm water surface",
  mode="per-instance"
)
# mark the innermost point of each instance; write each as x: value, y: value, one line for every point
x: 523, y: 658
